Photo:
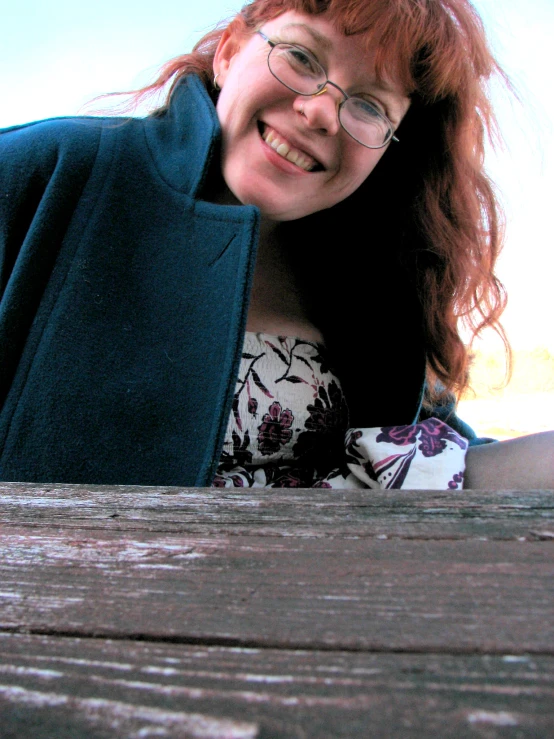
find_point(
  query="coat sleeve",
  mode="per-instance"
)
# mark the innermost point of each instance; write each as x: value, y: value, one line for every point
x: 44, y: 167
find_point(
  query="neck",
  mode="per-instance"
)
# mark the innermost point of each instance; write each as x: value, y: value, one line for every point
x: 268, y: 233
x: 277, y: 304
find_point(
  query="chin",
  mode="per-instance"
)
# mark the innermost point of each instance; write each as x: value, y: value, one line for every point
x: 273, y: 203
x: 285, y: 209
x: 271, y: 209
x: 281, y: 216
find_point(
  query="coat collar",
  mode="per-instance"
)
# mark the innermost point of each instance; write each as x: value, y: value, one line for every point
x: 185, y: 138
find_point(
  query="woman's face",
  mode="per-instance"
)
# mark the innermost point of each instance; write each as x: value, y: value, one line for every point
x: 253, y: 105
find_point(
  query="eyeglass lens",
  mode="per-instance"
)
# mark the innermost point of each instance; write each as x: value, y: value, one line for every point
x: 301, y: 72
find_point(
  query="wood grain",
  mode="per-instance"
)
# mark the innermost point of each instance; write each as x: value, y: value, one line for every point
x: 284, y: 512
x: 215, y: 614
x: 378, y: 594
x: 98, y: 688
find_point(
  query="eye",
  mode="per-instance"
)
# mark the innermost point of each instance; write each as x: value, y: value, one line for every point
x: 365, y: 110
x: 301, y: 61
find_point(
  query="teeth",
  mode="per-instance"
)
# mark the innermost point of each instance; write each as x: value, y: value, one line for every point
x: 287, y: 152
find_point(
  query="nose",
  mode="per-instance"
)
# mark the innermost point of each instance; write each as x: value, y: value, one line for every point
x: 321, y: 111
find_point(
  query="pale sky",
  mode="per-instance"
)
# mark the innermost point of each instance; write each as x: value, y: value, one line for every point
x: 56, y: 55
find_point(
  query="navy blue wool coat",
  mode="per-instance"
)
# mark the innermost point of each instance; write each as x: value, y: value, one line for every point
x: 124, y: 299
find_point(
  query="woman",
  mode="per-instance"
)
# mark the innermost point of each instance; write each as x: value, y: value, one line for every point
x: 334, y: 196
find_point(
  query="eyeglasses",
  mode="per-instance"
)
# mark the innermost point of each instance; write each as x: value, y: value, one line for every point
x: 300, y: 71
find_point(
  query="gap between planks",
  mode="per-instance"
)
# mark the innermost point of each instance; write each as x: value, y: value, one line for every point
x: 234, y: 642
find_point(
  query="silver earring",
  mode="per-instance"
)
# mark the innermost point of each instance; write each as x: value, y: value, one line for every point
x: 217, y: 87
x: 302, y: 109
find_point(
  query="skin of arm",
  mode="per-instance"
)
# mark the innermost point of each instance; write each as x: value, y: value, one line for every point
x: 526, y: 462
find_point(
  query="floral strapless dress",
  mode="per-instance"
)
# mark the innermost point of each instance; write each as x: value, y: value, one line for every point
x: 289, y: 428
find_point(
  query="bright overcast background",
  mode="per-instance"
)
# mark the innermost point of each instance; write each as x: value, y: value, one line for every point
x: 55, y: 55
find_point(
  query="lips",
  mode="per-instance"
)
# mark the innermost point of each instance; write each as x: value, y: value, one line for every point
x: 284, y: 148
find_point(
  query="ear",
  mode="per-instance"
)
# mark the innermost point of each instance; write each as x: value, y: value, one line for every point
x: 229, y: 45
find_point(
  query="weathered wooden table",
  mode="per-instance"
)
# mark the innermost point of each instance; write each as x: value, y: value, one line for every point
x: 148, y: 612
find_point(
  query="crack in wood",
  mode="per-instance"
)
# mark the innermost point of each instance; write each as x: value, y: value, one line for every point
x: 280, y: 646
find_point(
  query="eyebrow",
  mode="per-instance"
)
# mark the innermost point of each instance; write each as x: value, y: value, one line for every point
x: 326, y: 44
x: 321, y: 40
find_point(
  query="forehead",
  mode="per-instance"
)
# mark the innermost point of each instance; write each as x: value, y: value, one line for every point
x: 320, y: 34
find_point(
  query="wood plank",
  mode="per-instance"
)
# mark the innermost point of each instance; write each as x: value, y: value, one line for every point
x: 501, y: 515
x: 54, y: 687
x: 333, y: 593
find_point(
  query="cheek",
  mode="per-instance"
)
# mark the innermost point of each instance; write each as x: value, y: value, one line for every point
x: 358, y: 165
x: 229, y: 105
x: 368, y: 160
x: 362, y: 163
x: 246, y: 87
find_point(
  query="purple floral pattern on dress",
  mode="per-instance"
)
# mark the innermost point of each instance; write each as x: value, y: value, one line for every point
x: 237, y: 480
x: 328, y: 410
x: 353, y: 453
x: 261, y: 436
x: 289, y: 428
x: 401, y: 435
x: 392, y: 471
x: 433, y: 436
x: 290, y: 478
x: 275, y: 429
x: 457, y: 481
x: 323, y: 438
x: 241, y: 448
x: 384, y: 457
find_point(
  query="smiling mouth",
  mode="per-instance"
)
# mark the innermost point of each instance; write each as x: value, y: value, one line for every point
x: 287, y: 151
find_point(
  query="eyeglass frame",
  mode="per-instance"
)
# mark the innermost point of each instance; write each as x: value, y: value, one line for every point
x: 327, y: 82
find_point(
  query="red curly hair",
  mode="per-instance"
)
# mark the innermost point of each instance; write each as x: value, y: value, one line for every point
x: 452, y: 224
